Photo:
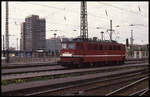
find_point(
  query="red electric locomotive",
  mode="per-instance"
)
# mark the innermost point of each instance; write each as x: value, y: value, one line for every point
x: 78, y: 52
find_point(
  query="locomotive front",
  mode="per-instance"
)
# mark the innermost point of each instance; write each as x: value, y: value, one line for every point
x: 68, y: 54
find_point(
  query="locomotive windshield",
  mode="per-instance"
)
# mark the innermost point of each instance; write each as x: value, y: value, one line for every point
x: 64, y: 45
x: 70, y: 45
x: 67, y: 45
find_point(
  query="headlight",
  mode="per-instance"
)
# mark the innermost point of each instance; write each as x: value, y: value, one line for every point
x: 66, y: 54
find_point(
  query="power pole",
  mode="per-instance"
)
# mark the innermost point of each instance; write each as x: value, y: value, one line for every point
x: 17, y: 43
x: 111, y: 30
x: 83, y: 22
x: 3, y: 42
x: 7, y: 34
x: 131, y: 39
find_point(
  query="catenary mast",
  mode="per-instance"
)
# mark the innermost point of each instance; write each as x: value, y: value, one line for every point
x: 7, y: 34
x: 83, y: 22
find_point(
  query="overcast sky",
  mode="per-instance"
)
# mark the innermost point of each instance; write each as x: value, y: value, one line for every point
x: 65, y: 17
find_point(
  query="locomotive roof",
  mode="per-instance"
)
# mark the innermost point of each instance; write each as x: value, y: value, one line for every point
x: 91, y: 40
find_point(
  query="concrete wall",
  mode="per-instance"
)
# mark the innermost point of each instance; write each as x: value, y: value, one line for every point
x: 31, y: 60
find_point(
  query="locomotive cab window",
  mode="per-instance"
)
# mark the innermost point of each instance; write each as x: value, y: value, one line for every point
x: 64, y: 45
x: 67, y: 45
x: 70, y: 45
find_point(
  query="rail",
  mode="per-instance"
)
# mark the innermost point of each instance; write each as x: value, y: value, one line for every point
x: 144, y: 92
x: 82, y: 84
x: 127, y: 86
x: 140, y: 91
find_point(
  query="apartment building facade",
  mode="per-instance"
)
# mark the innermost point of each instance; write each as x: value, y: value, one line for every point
x: 33, y: 34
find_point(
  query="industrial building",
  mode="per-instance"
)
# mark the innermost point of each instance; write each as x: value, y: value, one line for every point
x: 50, y: 44
x: 137, y: 51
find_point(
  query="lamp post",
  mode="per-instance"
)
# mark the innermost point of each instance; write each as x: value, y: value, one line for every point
x: 131, y: 40
x: 55, y: 46
x: 101, y: 33
x: 17, y: 43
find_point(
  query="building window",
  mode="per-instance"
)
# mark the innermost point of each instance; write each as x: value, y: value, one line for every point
x: 143, y: 53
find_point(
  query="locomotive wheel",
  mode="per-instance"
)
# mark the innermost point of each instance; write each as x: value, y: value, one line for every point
x: 97, y: 64
x: 91, y: 64
x: 122, y: 62
x: 117, y: 62
x: 79, y: 66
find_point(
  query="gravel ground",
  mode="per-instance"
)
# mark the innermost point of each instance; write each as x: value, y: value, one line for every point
x: 29, y: 69
x: 104, y: 87
x: 43, y: 83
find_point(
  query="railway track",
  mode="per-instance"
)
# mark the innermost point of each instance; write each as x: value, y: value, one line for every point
x: 139, y: 87
x: 13, y: 66
x: 142, y: 92
x: 32, y: 69
x: 84, y: 88
x: 27, y: 89
x: 69, y: 71
x: 40, y: 68
x: 17, y: 66
x: 136, y: 62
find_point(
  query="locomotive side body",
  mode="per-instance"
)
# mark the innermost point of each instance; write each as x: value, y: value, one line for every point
x: 86, y: 53
x: 104, y: 53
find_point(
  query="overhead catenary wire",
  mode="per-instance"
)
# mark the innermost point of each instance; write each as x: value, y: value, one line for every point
x: 63, y: 9
x: 58, y: 9
x: 75, y: 11
x: 123, y: 9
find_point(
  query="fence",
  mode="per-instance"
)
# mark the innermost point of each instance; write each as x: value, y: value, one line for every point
x: 22, y: 60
